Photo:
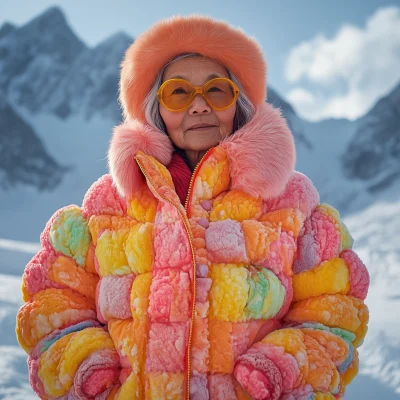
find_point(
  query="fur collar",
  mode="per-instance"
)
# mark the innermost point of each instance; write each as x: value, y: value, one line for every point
x: 262, y: 154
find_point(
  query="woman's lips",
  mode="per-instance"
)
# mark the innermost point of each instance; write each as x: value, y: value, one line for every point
x: 201, y: 128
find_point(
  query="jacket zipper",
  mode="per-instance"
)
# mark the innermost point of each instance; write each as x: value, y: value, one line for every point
x: 189, y: 233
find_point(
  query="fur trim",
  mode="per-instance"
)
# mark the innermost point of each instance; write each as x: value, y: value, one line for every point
x: 167, y: 38
x: 261, y: 153
x: 127, y: 139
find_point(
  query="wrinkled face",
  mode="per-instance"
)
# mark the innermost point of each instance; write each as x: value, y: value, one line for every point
x: 197, y: 71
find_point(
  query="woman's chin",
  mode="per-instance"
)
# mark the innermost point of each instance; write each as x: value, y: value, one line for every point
x: 202, y: 142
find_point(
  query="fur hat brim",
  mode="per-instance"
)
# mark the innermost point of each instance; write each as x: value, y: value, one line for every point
x: 170, y: 37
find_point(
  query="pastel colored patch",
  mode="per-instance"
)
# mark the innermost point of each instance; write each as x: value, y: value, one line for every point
x: 167, y: 347
x: 289, y: 219
x: 285, y: 362
x: 113, y: 299
x: 99, y: 223
x: 143, y: 205
x: 258, y: 238
x: 345, y: 312
x: 139, y: 248
x: 229, y: 292
x: 359, y: 276
x: 203, y: 286
x: 75, y: 352
x: 221, y: 387
x: 69, y: 234
x: 259, y: 376
x: 97, y: 373
x: 321, y: 370
x: 130, y: 338
x: 292, y: 341
x: 165, y: 386
x: 347, y: 240
x: 237, y: 205
x: 200, y: 346
x: 266, y: 294
x: 225, y: 242
x: 140, y: 294
x: 170, y: 296
x: 299, y: 193
x: 319, y: 239
x: 330, y: 277
x: 103, y: 198
x: 48, y: 310
x: 171, y: 243
x: 35, y: 277
x: 213, y: 175
x: 221, y: 354
x: 198, y: 387
x: 110, y: 253
x: 66, y: 273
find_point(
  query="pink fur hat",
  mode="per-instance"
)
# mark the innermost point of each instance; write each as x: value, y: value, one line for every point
x: 167, y: 38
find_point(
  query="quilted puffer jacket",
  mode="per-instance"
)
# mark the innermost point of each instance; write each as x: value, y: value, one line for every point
x: 236, y: 294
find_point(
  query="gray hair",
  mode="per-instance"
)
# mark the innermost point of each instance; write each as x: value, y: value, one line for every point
x: 244, y: 108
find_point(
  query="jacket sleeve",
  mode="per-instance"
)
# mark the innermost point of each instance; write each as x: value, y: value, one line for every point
x: 70, y: 352
x: 315, y: 353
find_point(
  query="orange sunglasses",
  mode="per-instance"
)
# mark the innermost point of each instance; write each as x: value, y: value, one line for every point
x: 177, y: 94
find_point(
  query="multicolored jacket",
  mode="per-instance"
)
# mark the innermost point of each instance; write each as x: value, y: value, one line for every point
x: 249, y: 290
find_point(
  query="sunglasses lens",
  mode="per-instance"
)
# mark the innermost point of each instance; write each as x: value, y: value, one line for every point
x: 176, y: 94
x: 220, y: 93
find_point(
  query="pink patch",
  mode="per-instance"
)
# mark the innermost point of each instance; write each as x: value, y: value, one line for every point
x: 198, y: 387
x: 285, y: 362
x: 201, y: 270
x: 113, y: 297
x: 303, y: 392
x: 206, y: 204
x: 225, y: 242
x: 34, y: 380
x: 359, y: 276
x: 203, y: 286
x: 281, y: 253
x: 96, y: 373
x: 203, y: 222
x: 299, y: 193
x: 319, y: 240
x: 166, y: 348
x: 36, y: 271
x: 170, y: 296
x: 259, y: 376
x: 103, y: 198
x: 221, y: 387
x: 171, y: 243
x: 266, y: 328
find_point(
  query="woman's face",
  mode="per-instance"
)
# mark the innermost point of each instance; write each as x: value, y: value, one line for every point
x: 197, y: 71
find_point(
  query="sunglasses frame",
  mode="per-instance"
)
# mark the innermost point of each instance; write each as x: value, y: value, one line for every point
x: 198, y: 90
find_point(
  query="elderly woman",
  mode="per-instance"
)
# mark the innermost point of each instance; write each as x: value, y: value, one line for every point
x: 203, y: 266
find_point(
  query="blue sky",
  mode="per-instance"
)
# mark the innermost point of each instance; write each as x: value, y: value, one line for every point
x: 327, y: 58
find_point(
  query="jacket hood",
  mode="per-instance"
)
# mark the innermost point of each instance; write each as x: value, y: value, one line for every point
x: 169, y: 37
x: 262, y: 154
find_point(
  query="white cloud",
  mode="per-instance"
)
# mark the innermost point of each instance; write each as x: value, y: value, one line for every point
x: 349, y: 72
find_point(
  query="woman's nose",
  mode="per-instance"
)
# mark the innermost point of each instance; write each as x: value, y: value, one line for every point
x: 199, y: 105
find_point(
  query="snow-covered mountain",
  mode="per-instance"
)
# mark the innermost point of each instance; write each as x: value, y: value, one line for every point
x: 35, y: 56
x: 373, y: 155
x: 23, y: 157
x: 58, y: 106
